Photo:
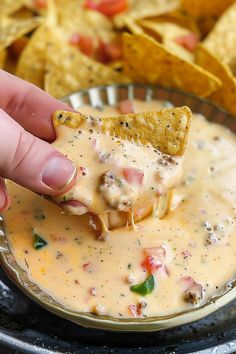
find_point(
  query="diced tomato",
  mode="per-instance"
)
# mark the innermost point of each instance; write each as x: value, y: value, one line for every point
x: 40, y: 4
x: 188, y: 41
x: 151, y: 264
x: 102, y: 54
x: 186, y: 282
x: 133, y: 310
x: 84, y: 43
x: 133, y: 176
x: 107, y: 7
x: 126, y: 107
x: 114, y: 51
x: 159, y: 251
x: 108, y: 52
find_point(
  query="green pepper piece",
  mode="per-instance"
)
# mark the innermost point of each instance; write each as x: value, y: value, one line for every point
x: 145, y: 287
x: 39, y: 242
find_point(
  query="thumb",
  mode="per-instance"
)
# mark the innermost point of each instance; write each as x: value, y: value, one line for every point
x: 32, y: 162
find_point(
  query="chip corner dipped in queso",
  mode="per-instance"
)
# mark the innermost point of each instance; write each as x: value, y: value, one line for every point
x: 125, y: 163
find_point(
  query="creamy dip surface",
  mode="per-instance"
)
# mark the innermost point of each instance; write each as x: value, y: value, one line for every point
x: 190, y: 253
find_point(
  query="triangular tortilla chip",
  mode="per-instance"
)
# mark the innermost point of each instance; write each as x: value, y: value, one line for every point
x: 225, y: 96
x: 88, y: 22
x: 132, y: 26
x: 31, y: 65
x: 138, y: 9
x: 8, y: 7
x: 147, y: 61
x: 168, y: 32
x: 167, y: 130
x: 23, y: 14
x: 68, y: 70
x: 179, y: 18
x: 198, y: 8
x: 14, y: 29
x: 3, y: 54
x: 221, y: 40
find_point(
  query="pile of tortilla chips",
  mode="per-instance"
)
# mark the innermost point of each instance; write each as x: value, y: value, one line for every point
x: 64, y: 46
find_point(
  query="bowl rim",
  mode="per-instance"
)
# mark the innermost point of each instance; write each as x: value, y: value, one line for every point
x: 86, y: 319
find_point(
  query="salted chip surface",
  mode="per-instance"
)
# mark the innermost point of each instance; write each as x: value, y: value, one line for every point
x: 8, y: 7
x: 198, y: 8
x: 88, y: 22
x: 31, y: 64
x: 225, y: 96
x: 13, y: 29
x: 147, y: 61
x: 138, y: 9
x: 222, y: 38
x: 169, y: 33
x: 167, y: 130
x: 68, y: 70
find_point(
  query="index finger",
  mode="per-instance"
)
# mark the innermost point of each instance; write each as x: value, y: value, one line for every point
x: 30, y: 106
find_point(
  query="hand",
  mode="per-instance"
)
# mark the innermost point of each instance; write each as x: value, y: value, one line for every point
x: 25, y: 119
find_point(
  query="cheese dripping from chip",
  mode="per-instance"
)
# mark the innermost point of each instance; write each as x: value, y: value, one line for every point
x: 127, y: 165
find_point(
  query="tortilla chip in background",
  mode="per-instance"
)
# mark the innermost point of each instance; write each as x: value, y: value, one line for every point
x: 3, y: 55
x: 31, y: 64
x: 88, y: 22
x: 167, y: 130
x: 139, y: 9
x: 221, y: 40
x: 8, y: 7
x: 198, y: 8
x: 168, y: 32
x: 23, y: 14
x: 18, y: 46
x: 13, y: 29
x: 68, y: 70
x: 10, y: 64
x: 206, y: 24
x: 132, y: 26
x: 147, y: 61
x: 179, y: 18
x: 225, y: 96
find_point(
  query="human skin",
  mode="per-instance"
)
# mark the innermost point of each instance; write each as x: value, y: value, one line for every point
x: 26, y: 130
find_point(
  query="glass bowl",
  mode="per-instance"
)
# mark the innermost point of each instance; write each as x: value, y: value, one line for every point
x: 111, y: 95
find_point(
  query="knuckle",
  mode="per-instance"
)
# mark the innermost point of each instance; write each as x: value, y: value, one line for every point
x: 20, y: 101
x: 24, y: 149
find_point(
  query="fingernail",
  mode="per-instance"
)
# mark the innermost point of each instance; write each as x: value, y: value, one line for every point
x: 58, y: 172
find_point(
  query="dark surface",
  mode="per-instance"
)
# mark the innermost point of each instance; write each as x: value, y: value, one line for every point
x: 36, y: 329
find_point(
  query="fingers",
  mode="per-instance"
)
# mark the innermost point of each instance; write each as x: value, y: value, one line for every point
x: 28, y: 105
x: 4, y: 197
x: 32, y: 162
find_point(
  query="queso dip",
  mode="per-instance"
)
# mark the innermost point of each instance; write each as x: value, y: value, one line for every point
x: 190, y: 253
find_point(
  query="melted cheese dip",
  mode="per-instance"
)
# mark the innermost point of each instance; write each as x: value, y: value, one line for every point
x: 191, y: 252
